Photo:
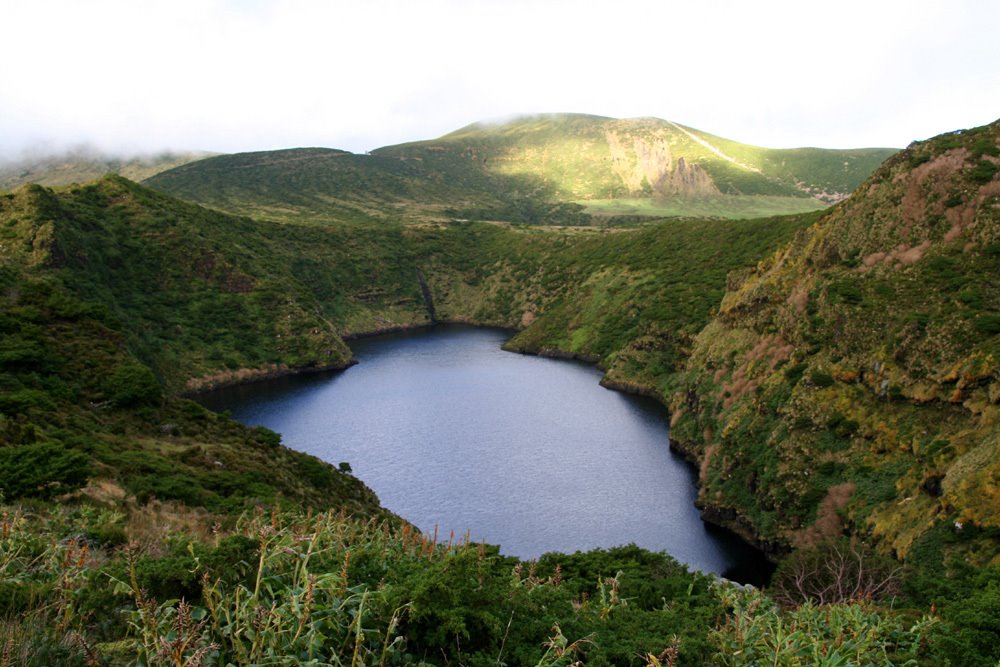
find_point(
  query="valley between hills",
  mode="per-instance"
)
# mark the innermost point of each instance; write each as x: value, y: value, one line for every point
x: 822, y: 326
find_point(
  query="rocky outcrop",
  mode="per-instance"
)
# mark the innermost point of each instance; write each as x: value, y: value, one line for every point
x: 647, y: 167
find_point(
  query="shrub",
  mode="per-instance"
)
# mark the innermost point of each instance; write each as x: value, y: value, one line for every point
x: 984, y: 171
x: 846, y: 292
x: 132, y: 384
x: 987, y: 324
x: 794, y: 373
x: 971, y: 635
x: 821, y: 379
x: 22, y: 400
x: 841, y: 634
x: 842, y: 426
x: 176, y: 486
x: 41, y: 471
x: 266, y: 436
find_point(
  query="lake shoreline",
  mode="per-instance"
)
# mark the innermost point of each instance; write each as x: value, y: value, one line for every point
x: 448, y: 359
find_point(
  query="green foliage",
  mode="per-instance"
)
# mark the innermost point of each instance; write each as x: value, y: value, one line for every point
x: 886, y: 308
x: 966, y: 599
x: 843, y: 634
x: 729, y: 206
x: 29, y: 644
x: 41, y: 470
x: 971, y: 631
x: 111, y: 286
x: 847, y: 292
x: 984, y: 171
x: 536, y: 170
x: 288, y: 588
x: 987, y: 324
x: 821, y: 379
x: 131, y: 385
x: 795, y: 372
x: 841, y: 426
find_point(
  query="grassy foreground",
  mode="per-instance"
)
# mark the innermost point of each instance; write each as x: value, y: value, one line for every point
x: 82, y: 585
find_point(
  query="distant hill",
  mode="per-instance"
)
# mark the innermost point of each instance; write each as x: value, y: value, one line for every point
x: 324, y: 184
x: 593, y: 157
x: 82, y: 166
x: 556, y: 169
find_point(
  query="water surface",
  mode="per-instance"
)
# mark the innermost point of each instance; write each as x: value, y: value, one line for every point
x: 525, y: 452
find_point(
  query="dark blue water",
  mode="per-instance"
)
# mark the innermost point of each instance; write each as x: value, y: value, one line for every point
x: 528, y: 453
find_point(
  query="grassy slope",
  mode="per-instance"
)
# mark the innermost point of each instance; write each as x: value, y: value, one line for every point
x: 204, y: 298
x: 312, y: 184
x: 537, y: 170
x: 735, y: 207
x: 99, y: 288
x: 855, y: 373
x: 830, y: 174
x: 576, y: 155
x: 135, y: 288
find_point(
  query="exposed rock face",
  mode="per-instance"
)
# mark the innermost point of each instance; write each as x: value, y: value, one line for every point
x: 647, y: 167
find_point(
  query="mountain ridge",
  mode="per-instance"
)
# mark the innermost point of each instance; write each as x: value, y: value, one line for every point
x: 541, y: 169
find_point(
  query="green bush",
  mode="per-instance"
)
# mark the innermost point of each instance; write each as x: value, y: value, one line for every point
x: 41, y: 470
x: 176, y: 486
x: 794, y: 373
x: 841, y: 426
x: 984, y: 171
x: 971, y: 633
x: 132, y: 384
x: 845, y: 291
x: 22, y: 400
x: 821, y: 379
x: 759, y: 633
x: 987, y: 324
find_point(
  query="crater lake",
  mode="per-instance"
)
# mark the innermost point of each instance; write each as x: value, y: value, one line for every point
x: 526, y: 452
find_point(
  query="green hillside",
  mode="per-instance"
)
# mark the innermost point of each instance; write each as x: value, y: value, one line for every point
x: 323, y: 185
x: 199, y: 294
x: 542, y: 170
x: 833, y: 375
x: 851, y: 382
x: 596, y: 158
x: 82, y: 166
x: 584, y: 158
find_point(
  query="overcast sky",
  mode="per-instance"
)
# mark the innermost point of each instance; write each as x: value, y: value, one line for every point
x: 237, y: 75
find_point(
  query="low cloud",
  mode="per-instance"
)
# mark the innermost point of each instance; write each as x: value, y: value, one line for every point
x: 231, y: 76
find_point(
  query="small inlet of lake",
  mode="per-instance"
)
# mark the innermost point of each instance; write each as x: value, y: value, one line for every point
x: 525, y: 452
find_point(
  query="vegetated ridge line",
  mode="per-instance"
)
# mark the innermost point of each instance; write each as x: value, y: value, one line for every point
x: 714, y: 149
